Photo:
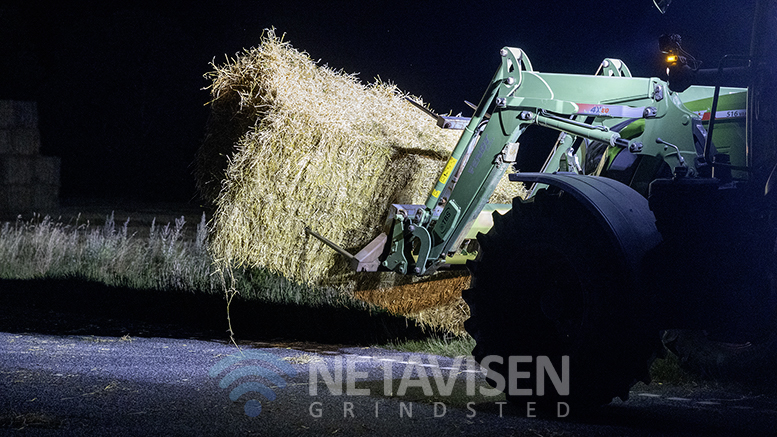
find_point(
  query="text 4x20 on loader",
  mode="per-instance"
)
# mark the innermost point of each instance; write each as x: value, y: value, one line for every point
x: 651, y: 211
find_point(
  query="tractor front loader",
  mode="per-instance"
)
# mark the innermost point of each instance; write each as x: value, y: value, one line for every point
x: 651, y: 210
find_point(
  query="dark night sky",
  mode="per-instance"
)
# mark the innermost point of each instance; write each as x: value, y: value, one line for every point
x: 119, y: 85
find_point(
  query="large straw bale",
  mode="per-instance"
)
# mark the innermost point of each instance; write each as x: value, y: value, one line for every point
x: 6, y: 114
x: 47, y: 170
x: 25, y: 141
x: 434, y: 302
x: 16, y: 169
x: 5, y: 142
x: 25, y: 114
x: 18, y: 114
x: 291, y: 144
x: 15, y: 198
x: 45, y: 197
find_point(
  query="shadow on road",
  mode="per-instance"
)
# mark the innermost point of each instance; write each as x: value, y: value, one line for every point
x: 77, y: 307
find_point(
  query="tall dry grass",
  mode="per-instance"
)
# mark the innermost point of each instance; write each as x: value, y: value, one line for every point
x: 45, y: 248
x: 169, y: 258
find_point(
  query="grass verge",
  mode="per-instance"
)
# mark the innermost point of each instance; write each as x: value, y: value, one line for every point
x: 435, y: 344
x: 172, y: 257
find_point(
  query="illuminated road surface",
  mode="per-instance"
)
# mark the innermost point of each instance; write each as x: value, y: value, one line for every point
x: 88, y: 385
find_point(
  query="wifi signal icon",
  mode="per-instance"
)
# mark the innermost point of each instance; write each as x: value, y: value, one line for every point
x: 252, y: 407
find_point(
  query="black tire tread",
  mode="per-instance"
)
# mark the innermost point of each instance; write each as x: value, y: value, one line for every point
x: 610, y: 352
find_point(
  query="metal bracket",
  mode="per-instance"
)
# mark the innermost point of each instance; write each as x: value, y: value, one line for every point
x: 635, y: 147
x: 573, y: 161
x: 425, y: 246
x: 510, y: 152
x: 658, y: 92
x: 613, y: 67
x: 367, y: 260
x: 396, y: 260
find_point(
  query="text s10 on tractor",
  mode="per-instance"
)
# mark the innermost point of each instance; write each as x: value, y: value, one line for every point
x: 651, y: 213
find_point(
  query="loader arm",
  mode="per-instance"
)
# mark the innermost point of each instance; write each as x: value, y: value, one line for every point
x: 582, y: 108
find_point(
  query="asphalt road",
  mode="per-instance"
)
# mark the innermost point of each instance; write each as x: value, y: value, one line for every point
x: 94, y: 385
x: 79, y: 359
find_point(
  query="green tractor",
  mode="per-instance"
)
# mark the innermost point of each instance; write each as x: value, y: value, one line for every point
x: 650, y: 214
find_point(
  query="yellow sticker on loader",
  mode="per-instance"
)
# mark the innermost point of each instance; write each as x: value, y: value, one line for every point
x: 448, y: 170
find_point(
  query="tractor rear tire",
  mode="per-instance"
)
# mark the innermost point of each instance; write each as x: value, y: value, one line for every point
x: 548, y: 282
